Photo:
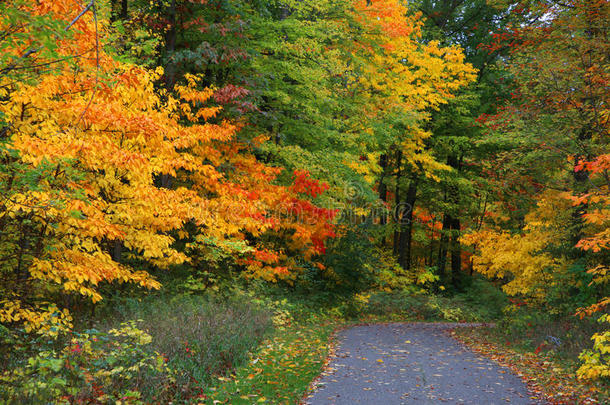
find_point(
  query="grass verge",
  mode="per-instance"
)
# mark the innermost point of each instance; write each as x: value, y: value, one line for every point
x: 280, y: 370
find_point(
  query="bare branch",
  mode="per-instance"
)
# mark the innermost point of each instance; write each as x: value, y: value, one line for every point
x: 89, y: 6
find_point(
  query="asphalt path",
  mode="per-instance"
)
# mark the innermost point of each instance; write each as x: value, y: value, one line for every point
x: 412, y: 363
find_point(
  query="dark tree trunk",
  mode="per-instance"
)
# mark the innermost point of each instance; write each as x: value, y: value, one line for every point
x: 383, y: 188
x: 443, y: 242
x: 406, y: 225
x: 21, y: 269
x: 124, y: 10
x: 451, y: 229
x: 430, y: 260
x: 383, y: 193
x: 116, y: 251
x: 456, y: 254
x: 170, y: 46
x: 397, y: 202
x: 166, y: 180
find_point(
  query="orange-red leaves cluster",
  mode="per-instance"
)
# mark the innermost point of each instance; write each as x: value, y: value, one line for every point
x: 303, y: 183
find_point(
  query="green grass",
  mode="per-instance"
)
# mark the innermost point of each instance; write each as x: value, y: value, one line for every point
x: 199, y: 335
x: 280, y: 370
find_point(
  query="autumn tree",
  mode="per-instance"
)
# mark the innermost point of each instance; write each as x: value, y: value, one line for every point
x: 87, y: 144
x: 558, y: 115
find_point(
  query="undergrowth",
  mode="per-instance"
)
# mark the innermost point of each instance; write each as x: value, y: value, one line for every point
x: 261, y: 344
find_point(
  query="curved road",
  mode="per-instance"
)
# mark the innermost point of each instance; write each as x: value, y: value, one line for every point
x: 412, y: 363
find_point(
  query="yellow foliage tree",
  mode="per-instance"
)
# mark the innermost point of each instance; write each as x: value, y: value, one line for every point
x: 523, y: 259
x: 96, y: 134
x: 403, y: 74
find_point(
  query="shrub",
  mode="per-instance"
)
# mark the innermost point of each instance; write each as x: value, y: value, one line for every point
x: 176, y: 345
x: 415, y: 305
x: 562, y: 337
x: 488, y: 300
x: 92, y: 366
x: 200, y: 336
x: 596, y: 361
x: 352, y: 261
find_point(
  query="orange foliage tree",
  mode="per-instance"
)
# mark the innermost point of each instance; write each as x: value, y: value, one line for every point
x: 88, y: 144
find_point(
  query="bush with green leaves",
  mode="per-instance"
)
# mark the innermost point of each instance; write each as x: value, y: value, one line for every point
x: 89, y: 367
x: 154, y: 349
x: 596, y: 361
x: 352, y: 261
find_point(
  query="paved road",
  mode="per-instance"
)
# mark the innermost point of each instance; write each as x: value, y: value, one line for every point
x: 415, y: 363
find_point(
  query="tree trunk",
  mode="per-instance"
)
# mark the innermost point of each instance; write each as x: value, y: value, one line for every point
x: 430, y: 260
x: 383, y: 193
x: 117, y: 249
x: 166, y: 180
x: 171, y: 35
x: 170, y: 46
x: 443, y: 246
x: 456, y: 254
x: 397, y: 202
x: 383, y: 188
x: 123, y: 10
x: 451, y: 228
x: 406, y: 225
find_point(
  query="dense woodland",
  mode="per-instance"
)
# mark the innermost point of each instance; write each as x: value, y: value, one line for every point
x: 256, y: 158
